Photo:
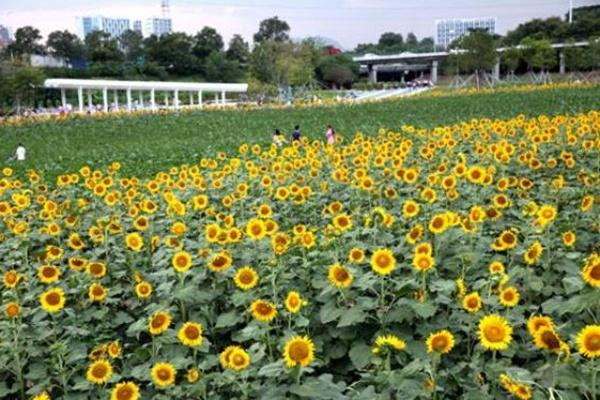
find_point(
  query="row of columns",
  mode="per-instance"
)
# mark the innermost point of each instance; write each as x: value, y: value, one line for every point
x: 153, y: 105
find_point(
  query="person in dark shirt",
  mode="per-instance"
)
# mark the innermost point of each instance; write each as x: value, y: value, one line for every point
x: 296, y: 134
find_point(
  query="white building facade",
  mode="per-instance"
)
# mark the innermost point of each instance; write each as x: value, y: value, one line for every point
x: 448, y: 30
x: 113, y: 26
x: 157, y: 26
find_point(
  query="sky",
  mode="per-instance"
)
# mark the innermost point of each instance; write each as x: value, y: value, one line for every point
x: 349, y: 22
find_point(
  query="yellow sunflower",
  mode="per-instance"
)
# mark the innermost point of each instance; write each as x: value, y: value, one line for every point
x: 182, y: 261
x: 163, y: 374
x: 53, y: 300
x: 537, y: 322
x: 125, y: 391
x: 263, y: 310
x: 342, y: 222
x: 294, y: 302
x: 224, y: 357
x: 546, y: 338
x: 143, y: 290
x: 383, y: 261
x: 193, y: 375
x: 509, y: 297
x: 97, y: 292
x: 239, y: 359
x: 441, y: 342
x: 246, y: 278
x: 391, y: 341
x: 423, y: 262
x: 220, y: 262
x: 12, y: 310
x: 472, y: 302
x: 99, y: 372
x: 494, y: 332
x: 588, y: 341
x: 190, y: 334
x: 339, y: 276
x: 48, y: 273
x: 299, y: 350
x: 438, y: 223
x: 159, y: 322
x: 256, y: 229
x: 356, y: 255
x: 11, y: 278
x: 134, y: 241
x: 569, y: 238
x: 533, y: 253
x: 96, y: 269
x: 591, y: 271
x: 410, y: 209
x: 41, y: 396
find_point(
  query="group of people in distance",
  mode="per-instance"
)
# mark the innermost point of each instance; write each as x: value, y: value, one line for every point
x: 279, y: 137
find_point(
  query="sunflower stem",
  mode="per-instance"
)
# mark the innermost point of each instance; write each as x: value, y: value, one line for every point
x: 18, y: 367
x: 594, y: 373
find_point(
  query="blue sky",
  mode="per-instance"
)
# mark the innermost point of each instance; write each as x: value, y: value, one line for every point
x: 347, y: 21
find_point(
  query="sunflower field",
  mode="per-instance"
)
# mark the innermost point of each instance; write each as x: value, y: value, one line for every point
x: 454, y: 262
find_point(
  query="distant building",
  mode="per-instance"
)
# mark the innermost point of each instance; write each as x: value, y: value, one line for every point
x: 157, y: 26
x: 5, y: 36
x: 448, y: 30
x: 113, y: 26
x: 137, y: 26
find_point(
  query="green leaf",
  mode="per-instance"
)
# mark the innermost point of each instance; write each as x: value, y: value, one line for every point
x: 573, y: 284
x: 227, y: 319
x: 424, y: 310
x: 351, y: 317
x: 360, y: 355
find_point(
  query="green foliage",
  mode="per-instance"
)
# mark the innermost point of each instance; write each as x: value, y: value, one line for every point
x: 101, y: 47
x: 132, y: 43
x: 339, y: 70
x: 65, y: 44
x: 18, y: 81
x: 282, y: 63
x: 511, y: 58
x: 218, y: 68
x: 538, y: 54
x: 168, y: 139
x: 272, y: 29
x: 479, y: 51
x: 206, y: 42
x: 26, y: 42
x: 238, y: 49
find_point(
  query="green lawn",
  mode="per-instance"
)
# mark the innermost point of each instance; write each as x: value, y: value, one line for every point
x: 150, y: 143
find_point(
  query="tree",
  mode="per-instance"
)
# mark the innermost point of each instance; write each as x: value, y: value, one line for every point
x: 554, y: 29
x: 338, y: 70
x: 479, y: 53
x: 218, y: 68
x: 366, y: 48
x: 593, y: 54
x: 238, y: 49
x: 18, y: 82
x: 511, y: 58
x: 390, y: 42
x: 101, y: 47
x: 65, y: 44
x: 282, y: 63
x: 207, y: 41
x: 132, y: 43
x: 26, y: 42
x: 538, y: 54
x: 173, y: 52
x: 272, y: 29
x: 411, y: 42
x: 574, y: 57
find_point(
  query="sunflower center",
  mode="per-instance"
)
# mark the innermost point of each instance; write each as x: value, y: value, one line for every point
x: 181, y: 262
x: 472, y: 303
x: 592, y: 342
x: 192, y: 332
x: 509, y: 296
x: 97, y: 291
x: 124, y: 393
x: 298, y: 351
x: 53, y: 298
x: 383, y: 261
x: 550, y: 340
x: 437, y: 223
x: 246, y: 277
x: 595, y: 272
x: 256, y: 229
x: 264, y: 309
x: 341, y: 274
x: 494, y: 333
x: 238, y: 359
x: 99, y: 371
x: 439, y: 343
x: 163, y: 374
x: 158, y: 321
x: 508, y: 238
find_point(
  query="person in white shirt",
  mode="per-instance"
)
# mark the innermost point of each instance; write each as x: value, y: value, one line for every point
x: 20, y: 153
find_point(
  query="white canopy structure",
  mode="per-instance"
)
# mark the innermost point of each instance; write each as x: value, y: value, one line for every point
x: 178, y: 88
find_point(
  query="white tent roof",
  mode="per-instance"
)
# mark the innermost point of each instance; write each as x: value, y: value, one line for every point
x: 144, y: 85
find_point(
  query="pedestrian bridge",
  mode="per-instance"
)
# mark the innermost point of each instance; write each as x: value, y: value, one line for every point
x: 374, y: 63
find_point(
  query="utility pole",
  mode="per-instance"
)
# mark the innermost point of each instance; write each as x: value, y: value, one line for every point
x: 570, y: 11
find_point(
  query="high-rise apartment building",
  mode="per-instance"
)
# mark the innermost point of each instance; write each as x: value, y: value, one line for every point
x: 113, y: 26
x: 157, y: 26
x: 448, y: 30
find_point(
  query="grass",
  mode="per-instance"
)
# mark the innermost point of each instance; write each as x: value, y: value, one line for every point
x: 149, y: 143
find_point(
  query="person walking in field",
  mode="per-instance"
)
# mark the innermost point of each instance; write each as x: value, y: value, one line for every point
x: 278, y: 138
x: 330, y: 135
x: 296, y: 134
x: 20, y: 153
